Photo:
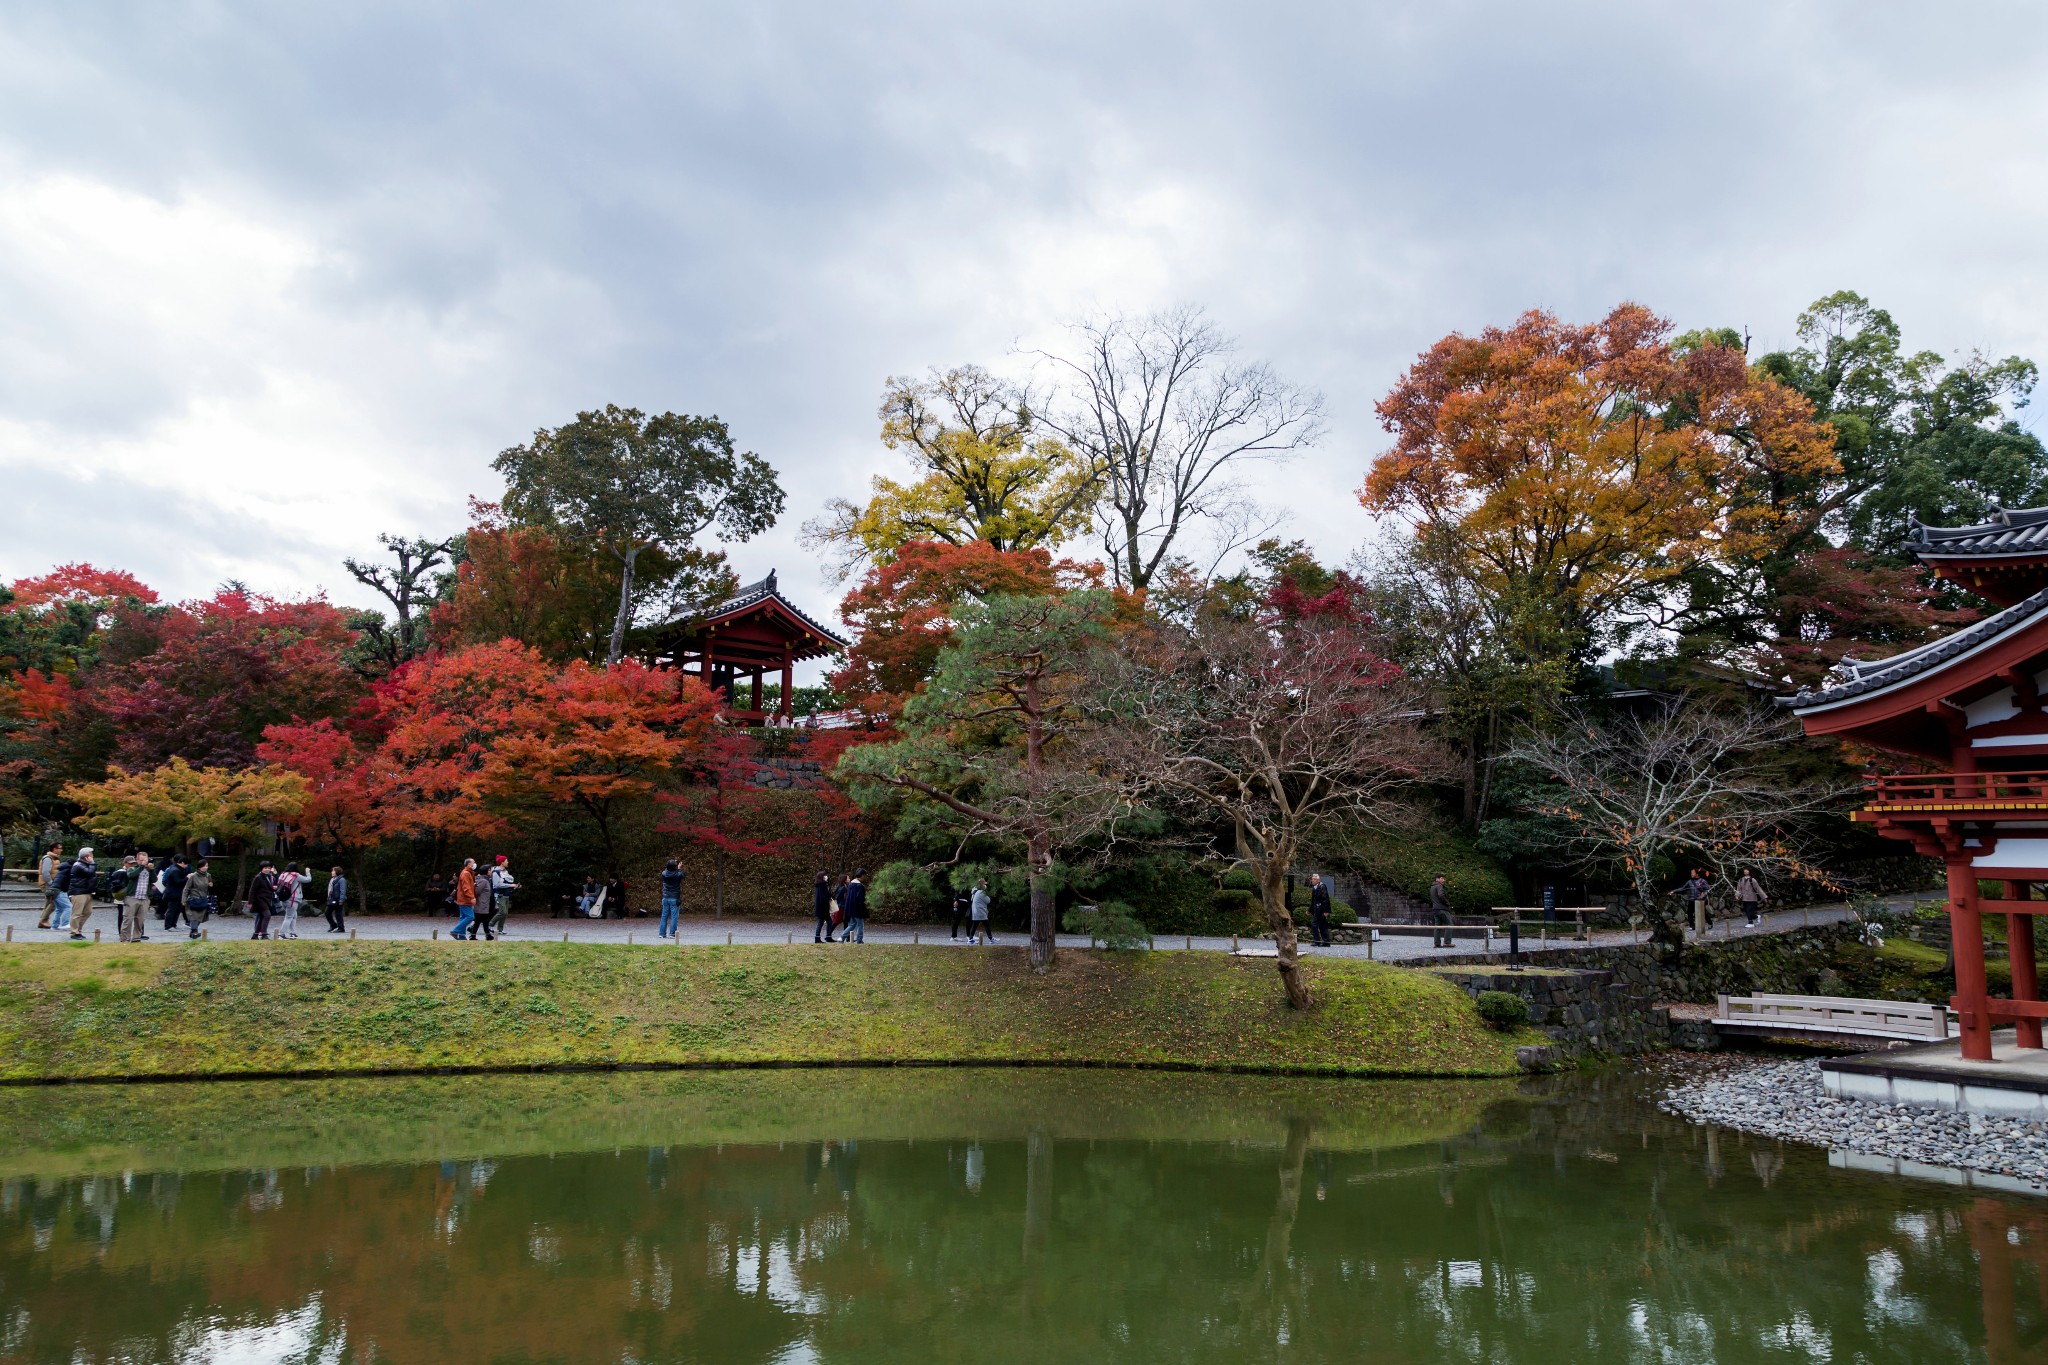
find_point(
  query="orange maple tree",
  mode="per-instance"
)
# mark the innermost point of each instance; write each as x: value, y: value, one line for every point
x: 1590, y: 464
x: 596, y: 737
x: 902, y: 611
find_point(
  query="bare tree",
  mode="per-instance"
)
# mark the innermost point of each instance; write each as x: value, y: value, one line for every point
x: 404, y: 585
x: 1158, y: 410
x: 1690, y: 781
x: 1289, y: 729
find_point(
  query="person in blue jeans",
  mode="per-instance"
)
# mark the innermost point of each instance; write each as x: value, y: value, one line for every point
x: 857, y: 908
x: 671, y: 899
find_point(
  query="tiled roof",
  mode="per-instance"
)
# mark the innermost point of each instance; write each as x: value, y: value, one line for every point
x: 2019, y: 531
x: 1854, y: 678
x: 755, y: 593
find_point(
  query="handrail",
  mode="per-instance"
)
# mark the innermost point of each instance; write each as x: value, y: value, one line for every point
x: 1891, y: 789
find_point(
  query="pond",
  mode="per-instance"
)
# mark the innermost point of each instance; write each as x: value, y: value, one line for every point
x: 982, y: 1215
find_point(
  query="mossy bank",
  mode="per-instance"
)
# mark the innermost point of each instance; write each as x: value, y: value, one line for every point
x: 78, y: 1012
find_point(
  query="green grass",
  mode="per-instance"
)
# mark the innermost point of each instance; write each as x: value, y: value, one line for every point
x: 222, y: 1009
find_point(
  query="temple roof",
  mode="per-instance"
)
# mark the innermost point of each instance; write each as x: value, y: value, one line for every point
x: 760, y: 601
x: 1858, y: 678
x: 2018, y: 531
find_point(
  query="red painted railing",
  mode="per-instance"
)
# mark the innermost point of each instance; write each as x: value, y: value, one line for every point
x: 1988, y: 789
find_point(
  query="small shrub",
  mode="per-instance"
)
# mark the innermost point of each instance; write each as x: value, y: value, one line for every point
x: 1503, y: 1010
x: 1112, y: 923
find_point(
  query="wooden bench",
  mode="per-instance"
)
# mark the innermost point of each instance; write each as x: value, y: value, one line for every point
x: 1829, y: 1014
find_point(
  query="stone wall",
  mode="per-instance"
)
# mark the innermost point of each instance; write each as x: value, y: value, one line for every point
x: 1789, y: 963
x: 786, y: 774
x: 1579, y: 1011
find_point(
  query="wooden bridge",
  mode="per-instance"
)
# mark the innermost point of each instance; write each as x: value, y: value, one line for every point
x: 1831, y: 1017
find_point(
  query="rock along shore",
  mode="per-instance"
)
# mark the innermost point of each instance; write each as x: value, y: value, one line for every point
x: 1786, y: 1100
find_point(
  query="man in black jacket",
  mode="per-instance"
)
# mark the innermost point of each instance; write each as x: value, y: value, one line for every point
x: 1440, y: 911
x: 263, y: 898
x: 174, y: 890
x: 856, y: 908
x: 337, y: 902
x: 79, y: 884
x: 1318, y: 910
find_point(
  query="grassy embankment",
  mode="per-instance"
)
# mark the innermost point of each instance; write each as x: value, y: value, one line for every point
x: 83, y: 1012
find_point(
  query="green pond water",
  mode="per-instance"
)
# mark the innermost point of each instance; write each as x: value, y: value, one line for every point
x: 973, y: 1215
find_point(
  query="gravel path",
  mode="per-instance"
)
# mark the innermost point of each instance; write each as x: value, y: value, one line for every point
x: 1786, y: 1100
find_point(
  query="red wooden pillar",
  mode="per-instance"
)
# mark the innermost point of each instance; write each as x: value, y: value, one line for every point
x: 2019, y: 939
x: 755, y: 703
x: 788, y: 687
x: 1966, y: 934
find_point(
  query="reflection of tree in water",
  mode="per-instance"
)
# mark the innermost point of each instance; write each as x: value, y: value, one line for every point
x: 1571, y: 1224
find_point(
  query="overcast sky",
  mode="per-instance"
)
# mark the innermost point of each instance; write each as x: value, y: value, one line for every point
x: 275, y: 278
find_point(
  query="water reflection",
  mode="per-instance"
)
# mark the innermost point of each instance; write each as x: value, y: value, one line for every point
x: 983, y: 1217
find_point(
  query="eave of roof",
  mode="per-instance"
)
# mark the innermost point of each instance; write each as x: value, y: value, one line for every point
x: 750, y: 597
x: 2012, y: 532
x: 1881, y: 675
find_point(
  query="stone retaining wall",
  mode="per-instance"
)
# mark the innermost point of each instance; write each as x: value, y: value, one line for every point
x: 1579, y: 1011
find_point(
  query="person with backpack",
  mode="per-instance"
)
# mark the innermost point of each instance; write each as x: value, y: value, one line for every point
x: 465, y: 899
x: 671, y: 899
x: 856, y: 908
x: 171, y: 883
x: 1749, y: 894
x: 821, y: 908
x: 263, y: 898
x: 196, y: 896
x: 81, y: 879
x: 291, y: 894
x: 46, y: 877
x: 337, y: 902
x: 501, y: 886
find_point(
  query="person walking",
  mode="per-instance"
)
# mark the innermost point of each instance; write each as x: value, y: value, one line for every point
x: 136, y: 875
x: 1439, y: 912
x: 79, y: 883
x: 291, y: 894
x: 502, y: 885
x: 1318, y: 910
x: 263, y: 898
x: 46, y: 877
x: 821, y: 908
x: 465, y: 899
x: 1749, y: 894
x: 197, y: 897
x: 961, y: 902
x: 1695, y: 891
x: 857, y: 908
x: 337, y: 902
x: 977, y: 914
x: 172, y: 880
x: 671, y: 898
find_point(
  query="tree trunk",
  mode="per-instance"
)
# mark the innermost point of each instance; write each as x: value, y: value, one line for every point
x: 1472, y: 782
x: 618, y: 645
x: 1043, y: 924
x: 1272, y: 875
x: 242, y: 876
x: 718, y: 883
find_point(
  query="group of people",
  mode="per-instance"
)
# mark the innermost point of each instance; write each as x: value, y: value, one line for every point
x: 1749, y: 895
x: 973, y: 904
x: 179, y: 889
x: 275, y: 895
x: 840, y: 905
x: 482, y: 900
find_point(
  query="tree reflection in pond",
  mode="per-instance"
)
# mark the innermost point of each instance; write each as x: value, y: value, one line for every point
x: 1241, y: 1220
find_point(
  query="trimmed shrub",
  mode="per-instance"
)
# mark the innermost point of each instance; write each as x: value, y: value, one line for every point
x: 1113, y: 923
x: 1503, y: 1010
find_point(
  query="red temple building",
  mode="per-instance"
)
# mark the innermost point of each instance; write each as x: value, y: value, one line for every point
x: 1966, y: 712
x: 755, y: 632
